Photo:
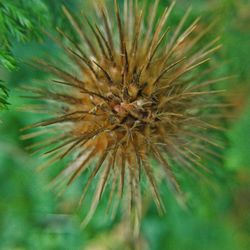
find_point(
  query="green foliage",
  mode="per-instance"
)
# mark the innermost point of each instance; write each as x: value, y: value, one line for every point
x: 238, y: 156
x: 20, y: 21
x: 3, y: 96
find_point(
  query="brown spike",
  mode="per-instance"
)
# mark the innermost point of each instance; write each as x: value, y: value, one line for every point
x: 151, y: 23
x: 169, y: 172
x: 107, y: 27
x: 155, y: 193
x: 105, y: 72
x: 98, y: 38
x: 93, y: 174
x: 82, y: 167
x: 137, y: 31
x: 170, y: 67
x: 79, y: 30
x: 119, y: 23
x: 109, y: 49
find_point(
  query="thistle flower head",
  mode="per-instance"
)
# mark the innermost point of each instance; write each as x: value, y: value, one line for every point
x: 136, y: 90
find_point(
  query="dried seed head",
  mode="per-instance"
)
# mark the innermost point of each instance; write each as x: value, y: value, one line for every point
x: 140, y: 92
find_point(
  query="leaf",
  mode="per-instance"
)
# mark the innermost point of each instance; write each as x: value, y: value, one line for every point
x: 20, y: 21
x: 3, y: 96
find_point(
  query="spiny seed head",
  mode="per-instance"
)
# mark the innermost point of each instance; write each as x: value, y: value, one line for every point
x: 134, y: 91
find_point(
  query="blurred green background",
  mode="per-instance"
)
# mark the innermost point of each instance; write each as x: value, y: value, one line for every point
x: 32, y: 217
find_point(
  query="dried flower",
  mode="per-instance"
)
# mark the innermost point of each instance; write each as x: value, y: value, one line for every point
x: 134, y: 91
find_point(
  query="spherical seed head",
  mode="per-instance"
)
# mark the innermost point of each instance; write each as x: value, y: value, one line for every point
x: 140, y: 92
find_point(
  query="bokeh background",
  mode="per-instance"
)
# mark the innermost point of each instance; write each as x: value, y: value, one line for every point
x: 33, y: 217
